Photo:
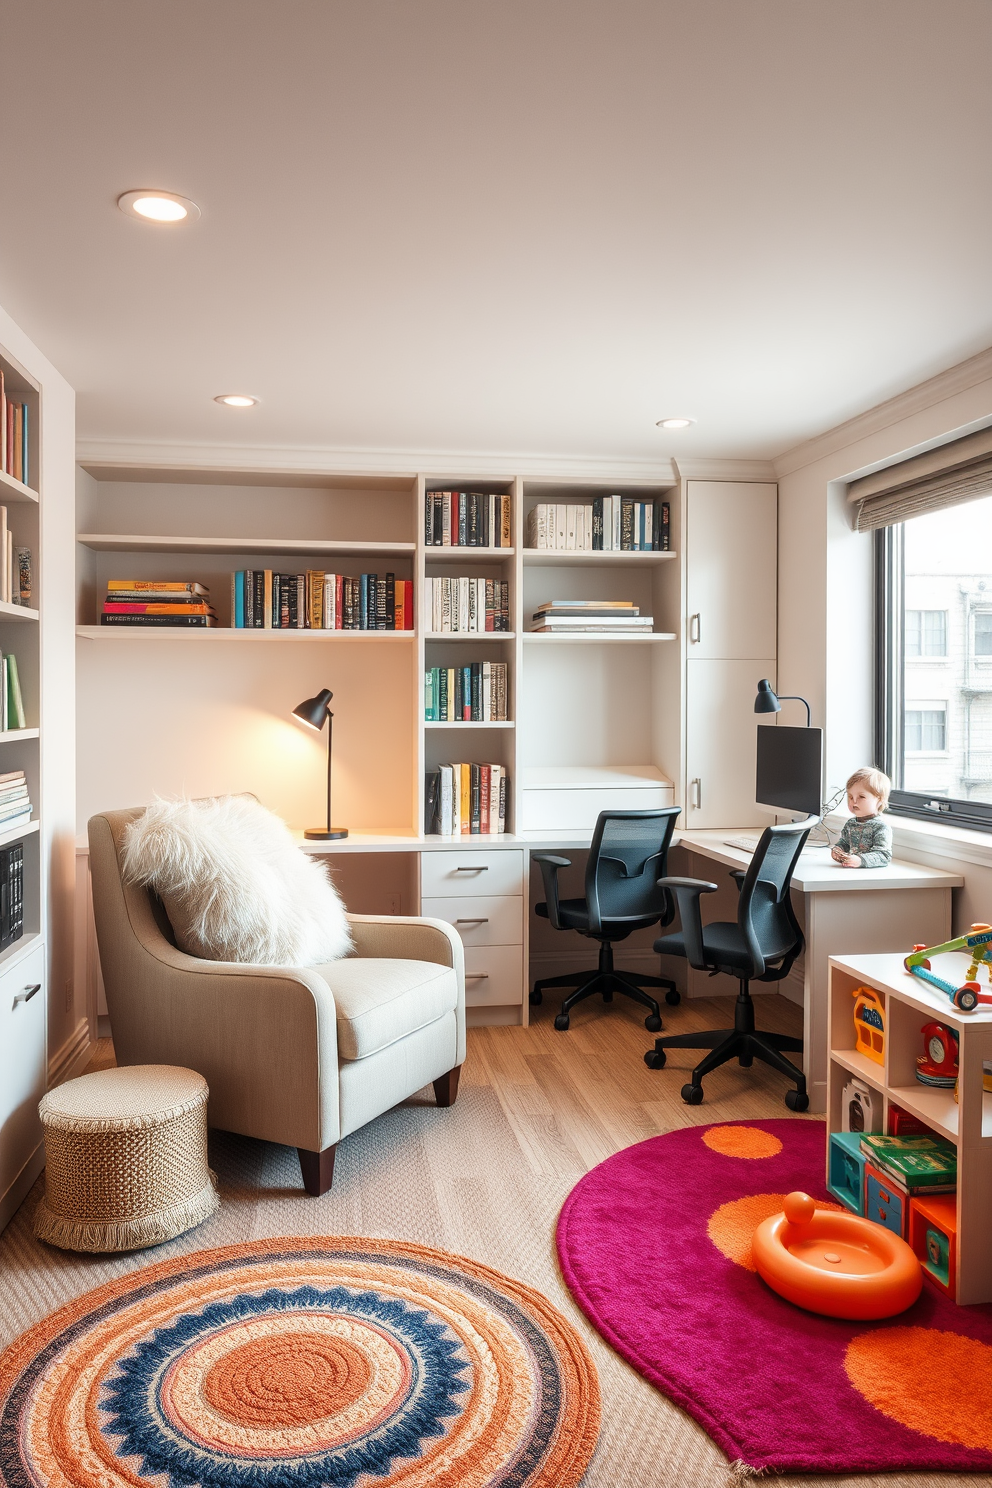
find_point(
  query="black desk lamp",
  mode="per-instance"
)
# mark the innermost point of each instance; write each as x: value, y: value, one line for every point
x: 768, y: 700
x: 315, y: 712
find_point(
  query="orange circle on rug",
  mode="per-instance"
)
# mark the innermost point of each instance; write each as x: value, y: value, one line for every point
x: 288, y: 1380
x: 931, y: 1381
x: 732, y: 1226
x: 742, y: 1141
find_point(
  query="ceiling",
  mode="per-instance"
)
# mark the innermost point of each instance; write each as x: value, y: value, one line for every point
x: 509, y: 226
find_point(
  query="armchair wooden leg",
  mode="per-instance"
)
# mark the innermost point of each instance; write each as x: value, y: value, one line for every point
x: 446, y: 1089
x: 317, y: 1169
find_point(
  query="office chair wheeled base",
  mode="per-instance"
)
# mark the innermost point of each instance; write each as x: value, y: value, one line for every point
x: 606, y: 980
x: 743, y: 1043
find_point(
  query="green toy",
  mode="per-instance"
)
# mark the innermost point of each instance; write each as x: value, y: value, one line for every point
x: 966, y: 997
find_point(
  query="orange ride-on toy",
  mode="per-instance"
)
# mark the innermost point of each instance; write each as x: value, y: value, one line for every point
x: 966, y: 997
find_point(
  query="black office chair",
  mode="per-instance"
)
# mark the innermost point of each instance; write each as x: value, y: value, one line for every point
x: 627, y: 859
x: 762, y: 946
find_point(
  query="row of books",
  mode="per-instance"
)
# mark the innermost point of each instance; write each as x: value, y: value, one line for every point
x: 620, y: 524
x: 919, y: 1164
x: 15, y: 567
x: 467, y: 519
x: 263, y: 600
x: 475, y: 693
x: 464, y: 800
x: 14, y: 441
x: 11, y: 701
x: 590, y: 617
x: 157, y: 602
x: 15, y: 804
x: 463, y: 604
x: 11, y: 893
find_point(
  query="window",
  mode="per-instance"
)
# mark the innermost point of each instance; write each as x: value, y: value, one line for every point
x: 983, y: 633
x: 925, y: 730
x: 933, y: 614
x: 926, y: 633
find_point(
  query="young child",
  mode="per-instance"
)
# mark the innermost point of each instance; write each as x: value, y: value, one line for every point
x: 866, y: 841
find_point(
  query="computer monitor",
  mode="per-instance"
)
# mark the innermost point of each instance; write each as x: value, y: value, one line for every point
x: 789, y: 768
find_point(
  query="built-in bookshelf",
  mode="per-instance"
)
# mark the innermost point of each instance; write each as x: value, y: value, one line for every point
x: 596, y: 700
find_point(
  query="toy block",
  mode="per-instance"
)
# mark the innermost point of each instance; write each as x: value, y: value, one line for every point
x: 886, y: 1202
x: 846, y: 1170
x: 933, y: 1235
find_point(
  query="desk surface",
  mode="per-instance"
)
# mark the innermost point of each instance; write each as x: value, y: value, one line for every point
x: 817, y: 873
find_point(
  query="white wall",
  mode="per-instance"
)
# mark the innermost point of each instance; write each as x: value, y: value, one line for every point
x: 825, y: 590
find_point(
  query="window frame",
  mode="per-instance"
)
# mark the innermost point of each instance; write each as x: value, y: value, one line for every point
x: 923, y: 654
x: 889, y: 566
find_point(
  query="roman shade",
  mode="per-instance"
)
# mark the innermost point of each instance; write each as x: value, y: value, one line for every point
x: 955, y: 472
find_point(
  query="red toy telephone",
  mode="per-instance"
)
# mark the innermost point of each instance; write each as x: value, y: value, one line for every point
x: 938, y: 1064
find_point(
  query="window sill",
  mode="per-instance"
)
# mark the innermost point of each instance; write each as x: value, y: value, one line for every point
x: 932, y: 839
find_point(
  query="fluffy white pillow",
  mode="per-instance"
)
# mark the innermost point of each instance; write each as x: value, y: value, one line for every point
x: 234, y: 883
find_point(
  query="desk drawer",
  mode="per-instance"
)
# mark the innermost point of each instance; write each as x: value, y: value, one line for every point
x: 23, y: 1062
x: 494, y: 976
x: 493, y: 920
x: 474, y: 871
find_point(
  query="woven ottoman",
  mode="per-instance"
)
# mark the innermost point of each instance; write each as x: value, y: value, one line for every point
x: 126, y: 1155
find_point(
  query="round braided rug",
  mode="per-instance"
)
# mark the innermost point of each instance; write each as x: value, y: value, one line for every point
x: 301, y: 1362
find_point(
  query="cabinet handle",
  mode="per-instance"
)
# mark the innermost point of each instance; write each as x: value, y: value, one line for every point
x: 478, y: 976
x: 479, y: 921
x: 475, y: 868
x: 694, y: 629
x: 26, y: 995
x: 696, y: 801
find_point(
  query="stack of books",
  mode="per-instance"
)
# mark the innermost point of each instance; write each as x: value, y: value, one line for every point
x: 590, y: 617
x: 466, y: 519
x: 15, y: 806
x: 609, y: 524
x: 11, y: 894
x: 465, y: 800
x: 470, y: 694
x: 157, y: 602
x: 263, y: 600
x: 15, y: 567
x: 463, y: 604
x: 916, y: 1164
x: 14, y: 440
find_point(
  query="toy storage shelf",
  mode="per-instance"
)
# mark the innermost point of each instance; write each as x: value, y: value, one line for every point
x: 967, y: 1122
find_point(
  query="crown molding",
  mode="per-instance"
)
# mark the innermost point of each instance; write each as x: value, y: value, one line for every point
x: 111, y: 457
x: 914, y: 400
x: 725, y: 470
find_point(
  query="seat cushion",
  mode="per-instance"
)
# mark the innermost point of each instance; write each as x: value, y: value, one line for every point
x: 574, y: 915
x: 380, y: 1000
x: 723, y: 945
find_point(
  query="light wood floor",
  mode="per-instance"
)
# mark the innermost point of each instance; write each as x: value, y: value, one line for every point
x: 486, y: 1179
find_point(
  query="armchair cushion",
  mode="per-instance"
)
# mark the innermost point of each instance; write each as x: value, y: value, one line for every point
x: 234, y: 884
x: 380, y: 1001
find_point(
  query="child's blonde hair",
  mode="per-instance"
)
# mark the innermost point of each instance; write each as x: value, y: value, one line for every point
x: 874, y: 780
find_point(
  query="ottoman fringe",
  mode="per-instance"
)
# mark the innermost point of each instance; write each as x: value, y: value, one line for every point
x: 128, y: 1234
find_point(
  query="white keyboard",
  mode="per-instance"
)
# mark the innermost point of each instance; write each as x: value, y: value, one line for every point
x: 743, y: 844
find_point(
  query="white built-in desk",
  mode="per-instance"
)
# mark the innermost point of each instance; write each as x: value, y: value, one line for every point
x: 844, y: 912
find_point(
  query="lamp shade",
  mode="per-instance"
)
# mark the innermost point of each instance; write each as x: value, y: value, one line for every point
x: 766, y: 701
x: 313, y: 711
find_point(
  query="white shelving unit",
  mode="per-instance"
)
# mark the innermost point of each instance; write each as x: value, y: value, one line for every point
x: 967, y: 1121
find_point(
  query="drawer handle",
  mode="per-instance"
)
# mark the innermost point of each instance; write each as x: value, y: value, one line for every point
x: 479, y: 921
x: 475, y: 868
x: 695, y: 629
x: 26, y: 995
x: 478, y: 976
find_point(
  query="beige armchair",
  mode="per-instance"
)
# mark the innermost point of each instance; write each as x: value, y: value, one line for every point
x: 298, y: 1055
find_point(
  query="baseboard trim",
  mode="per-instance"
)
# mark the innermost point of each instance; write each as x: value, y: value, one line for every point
x: 73, y: 1057
x: 494, y: 1017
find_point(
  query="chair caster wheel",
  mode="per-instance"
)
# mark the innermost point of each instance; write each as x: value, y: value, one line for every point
x: 561, y: 1022
x: 673, y: 998
x: 653, y: 1023
x: 536, y: 997
x: 655, y: 1059
x: 797, y: 1100
x: 692, y: 1095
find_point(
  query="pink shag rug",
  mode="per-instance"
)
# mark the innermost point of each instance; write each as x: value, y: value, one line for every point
x: 654, y: 1246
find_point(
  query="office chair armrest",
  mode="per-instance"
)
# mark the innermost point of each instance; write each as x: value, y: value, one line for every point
x: 688, y: 892
x: 550, y: 863
x: 738, y: 875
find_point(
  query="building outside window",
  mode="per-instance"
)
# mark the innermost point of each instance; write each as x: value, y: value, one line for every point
x: 934, y: 661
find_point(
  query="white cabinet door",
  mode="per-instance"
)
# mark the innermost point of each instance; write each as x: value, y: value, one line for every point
x: 720, y: 742
x: 731, y: 546
x: 23, y: 1063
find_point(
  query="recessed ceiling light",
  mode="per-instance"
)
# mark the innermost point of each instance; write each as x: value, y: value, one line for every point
x: 158, y: 206
x: 675, y: 423
x: 236, y: 400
